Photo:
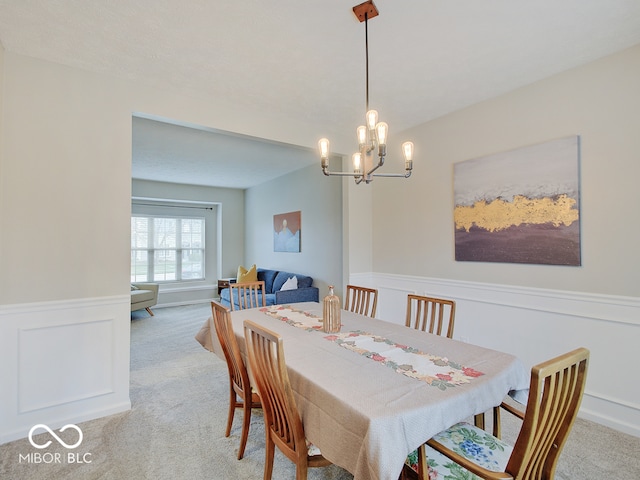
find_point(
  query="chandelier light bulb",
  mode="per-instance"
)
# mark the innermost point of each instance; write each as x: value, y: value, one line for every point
x: 362, y: 135
x: 323, y: 146
x: 407, y: 151
x: 382, y: 130
x: 356, y: 157
x: 372, y: 119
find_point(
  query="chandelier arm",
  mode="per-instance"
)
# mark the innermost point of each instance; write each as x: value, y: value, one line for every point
x: 380, y: 163
x: 328, y: 173
x: 406, y: 174
x: 359, y: 177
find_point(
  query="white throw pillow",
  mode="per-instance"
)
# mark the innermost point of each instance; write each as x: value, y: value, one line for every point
x: 290, y: 284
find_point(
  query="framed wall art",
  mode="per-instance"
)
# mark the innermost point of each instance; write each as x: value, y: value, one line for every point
x: 520, y: 206
x: 286, y: 232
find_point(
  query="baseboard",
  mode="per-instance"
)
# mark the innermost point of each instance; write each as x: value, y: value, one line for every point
x: 611, y: 412
x: 184, y: 303
x: 185, y: 295
x: 75, y: 419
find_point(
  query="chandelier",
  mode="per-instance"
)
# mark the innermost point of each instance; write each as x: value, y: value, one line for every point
x: 372, y: 137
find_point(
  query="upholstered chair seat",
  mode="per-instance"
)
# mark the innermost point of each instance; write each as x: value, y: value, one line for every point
x: 469, y: 441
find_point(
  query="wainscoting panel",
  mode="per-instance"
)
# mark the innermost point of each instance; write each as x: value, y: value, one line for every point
x: 64, y: 362
x: 538, y: 324
x: 82, y: 367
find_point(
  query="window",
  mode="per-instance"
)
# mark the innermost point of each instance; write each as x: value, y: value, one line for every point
x: 165, y: 249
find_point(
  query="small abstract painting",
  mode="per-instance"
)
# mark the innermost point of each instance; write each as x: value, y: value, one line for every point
x: 286, y: 232
x: 520, y: 206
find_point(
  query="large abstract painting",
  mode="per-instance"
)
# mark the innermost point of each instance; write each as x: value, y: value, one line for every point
x: 520, y: 206
x: 286, y: 232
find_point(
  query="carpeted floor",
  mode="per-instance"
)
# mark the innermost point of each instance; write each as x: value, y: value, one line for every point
x: 175, y: 429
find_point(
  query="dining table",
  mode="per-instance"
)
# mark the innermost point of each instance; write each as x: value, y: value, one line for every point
x: 373, y: 392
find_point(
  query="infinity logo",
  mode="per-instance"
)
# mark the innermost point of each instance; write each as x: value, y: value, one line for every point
x: 40, y: 425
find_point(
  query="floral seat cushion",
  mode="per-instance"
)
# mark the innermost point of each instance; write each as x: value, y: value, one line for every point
x: 312, y: 450
x: 468, y: 441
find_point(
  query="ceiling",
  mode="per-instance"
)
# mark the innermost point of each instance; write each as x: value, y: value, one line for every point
x: 305, y: 60
x: 170, y: 152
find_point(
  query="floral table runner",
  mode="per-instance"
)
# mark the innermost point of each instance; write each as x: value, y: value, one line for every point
x: 294, y: 317
x: 436, y: 371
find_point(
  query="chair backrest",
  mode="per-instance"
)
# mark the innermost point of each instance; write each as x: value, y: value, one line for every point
x: 555, y: 394
x: 266, y: 360
x: 361, y: 300
x: 221, y: 319
x: 433, y: 315
x: 248, y: 295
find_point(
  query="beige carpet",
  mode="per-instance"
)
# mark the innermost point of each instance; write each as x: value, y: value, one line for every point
x: 175, y: 429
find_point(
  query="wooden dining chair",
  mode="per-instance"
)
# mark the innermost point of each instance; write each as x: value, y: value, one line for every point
x: 555, y: 394
x: 241, y: 394
x: 247, y: 294
x: 283, y: 426
x: 361, y: 300
x: 433, y: 315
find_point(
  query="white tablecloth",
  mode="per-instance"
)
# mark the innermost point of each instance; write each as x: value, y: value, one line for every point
x: 365, y: 416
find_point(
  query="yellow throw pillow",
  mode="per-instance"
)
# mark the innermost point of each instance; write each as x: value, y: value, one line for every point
x: 245, y: 276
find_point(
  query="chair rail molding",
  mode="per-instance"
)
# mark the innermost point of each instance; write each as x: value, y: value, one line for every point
x: 44, y: 344
x: 537, y: 324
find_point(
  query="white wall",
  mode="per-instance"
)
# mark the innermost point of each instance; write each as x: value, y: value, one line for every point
x: 2, y: 115
x: 1, y: 120
x: 319, y: 200
x: 533, y: 311
x: 65, y: 191
x: 600, y: 102
x: 64, y: 202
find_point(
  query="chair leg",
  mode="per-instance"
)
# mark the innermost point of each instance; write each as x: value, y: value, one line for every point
x: 423, y: 467
x: 246, y: 421
x: 497, y: 429
x: 232, y: 411
x: 478, y: 420
x: 302, y: 468
x: 148, y: 309
x: 268, y: 455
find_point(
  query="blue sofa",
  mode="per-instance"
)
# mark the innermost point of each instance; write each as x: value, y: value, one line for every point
x: 273, y: 281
